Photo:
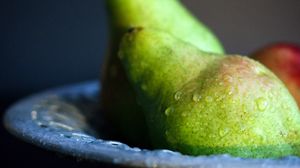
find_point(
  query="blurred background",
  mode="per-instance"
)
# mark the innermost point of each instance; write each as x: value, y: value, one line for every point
x: 56, y: 42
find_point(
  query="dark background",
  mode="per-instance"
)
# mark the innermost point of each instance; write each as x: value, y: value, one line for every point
x: 48, y: 43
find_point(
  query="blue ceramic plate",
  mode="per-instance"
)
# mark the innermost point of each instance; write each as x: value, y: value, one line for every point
x: 61, y: 120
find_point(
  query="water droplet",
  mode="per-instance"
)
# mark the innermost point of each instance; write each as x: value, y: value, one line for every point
x: 43, y: 125
x: 196, y: 97
x: 169, y: 110
x: 209, y: 99
x: 223, y: 132
x: 113, y: 143
x: 258, y: 70
x: 261, y: 104
x: 177, y: 96
x: 283, y: 133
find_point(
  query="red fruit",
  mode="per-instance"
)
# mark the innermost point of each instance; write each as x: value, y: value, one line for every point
x: 284, y: 60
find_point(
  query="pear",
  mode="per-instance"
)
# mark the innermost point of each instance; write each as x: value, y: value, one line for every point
x: 167, y: 15
x: 117, y: 97
x: 200, y: 103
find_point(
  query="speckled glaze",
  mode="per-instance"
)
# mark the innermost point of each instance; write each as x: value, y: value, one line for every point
x: 61, y: 120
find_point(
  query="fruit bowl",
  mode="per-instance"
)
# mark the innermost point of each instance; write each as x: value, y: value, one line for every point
x: 68, y: 120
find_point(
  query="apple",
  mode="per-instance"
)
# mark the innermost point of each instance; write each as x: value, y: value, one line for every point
x: 284, y: 60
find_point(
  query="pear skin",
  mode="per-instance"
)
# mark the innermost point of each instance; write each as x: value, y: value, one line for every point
x: 201, y: 104
x: 117, y: 97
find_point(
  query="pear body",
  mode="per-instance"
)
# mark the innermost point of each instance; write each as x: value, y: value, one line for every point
x: 201, y: 104
x: 117, y: 97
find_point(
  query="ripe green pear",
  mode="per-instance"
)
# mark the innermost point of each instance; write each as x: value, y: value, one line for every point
x: 200, y: 103
x: 167, y: 15
x: 118, y: 99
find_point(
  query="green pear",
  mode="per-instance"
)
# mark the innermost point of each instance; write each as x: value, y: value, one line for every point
x: 167, y: 15
x: 200, y: 103
x: 118, y: 99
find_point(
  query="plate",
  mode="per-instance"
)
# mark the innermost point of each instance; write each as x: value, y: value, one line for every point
x: 68, y: 120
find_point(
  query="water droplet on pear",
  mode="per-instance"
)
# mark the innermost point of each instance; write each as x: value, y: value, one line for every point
x: 262, y: 104
x: 169, y: 110
x: 177, y: 96
x: 197, y: 97
x: 223, y: 132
